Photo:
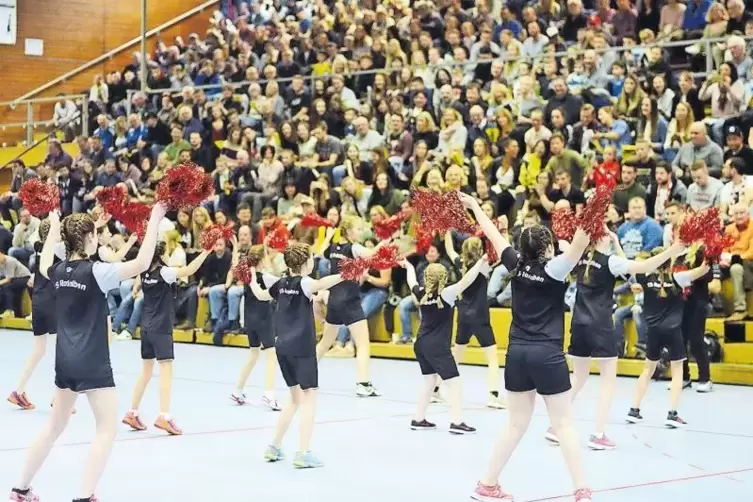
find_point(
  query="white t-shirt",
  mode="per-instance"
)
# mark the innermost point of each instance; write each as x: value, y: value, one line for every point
x: 731, y: 193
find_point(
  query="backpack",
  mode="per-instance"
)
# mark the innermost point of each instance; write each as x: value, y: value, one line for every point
x: 713, y: 347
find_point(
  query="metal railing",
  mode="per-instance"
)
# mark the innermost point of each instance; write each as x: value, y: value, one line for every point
x: 51, y: 135
x: 31, y: 123
x: 109, y: 55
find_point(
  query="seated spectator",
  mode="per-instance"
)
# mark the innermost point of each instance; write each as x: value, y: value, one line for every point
x: 565, y: 159
x: 663, y: 190
x: 736, y: 261
x: 674, y: 214
x: 639, y: 233
x: 705, y: 192
x: 736, y: 147
x: 700, y: 147
x: 14, y: 281
x: 725, y: 91
x: 566, y: 190
x: 739, y: 188
x: 628, y: 189
x: 25, y: 234
x: 634, y: 311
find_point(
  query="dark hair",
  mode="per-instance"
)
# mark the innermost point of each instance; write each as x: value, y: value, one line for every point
x: 533, y: 244
x: 159, y: 251
x: 74, y: 230
x: 241, y: 207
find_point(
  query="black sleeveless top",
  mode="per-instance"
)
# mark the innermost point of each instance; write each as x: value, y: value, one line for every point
x: 472, y: 305
x: 595, y: 296
x: 257, y: 314
x: 294, y: 318
x: 346, y: 290
x: 157, y: 313
x: 663, y: 312
x: 436, y: 322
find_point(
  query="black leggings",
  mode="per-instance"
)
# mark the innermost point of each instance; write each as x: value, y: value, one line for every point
x: 693, y: 329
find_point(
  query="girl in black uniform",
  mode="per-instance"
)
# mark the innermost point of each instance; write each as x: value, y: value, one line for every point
x: 535, y: 360
x: 592, y: 326
x: 157, y: 286
x: 296, y: 346
x: 344, y: 303
x: 663, y: 311
x: 473, y: 313
x: 258, y: 320
x: 42, y: 323
x: 82, y: 358
x: 433, y: 351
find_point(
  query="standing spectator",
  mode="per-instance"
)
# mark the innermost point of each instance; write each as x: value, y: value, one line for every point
x: 705, y: 192
x: 624, y: 21
x: 214, y: 274
x: 24, y: 236
x: 736, y: 261
x: 639, y: 233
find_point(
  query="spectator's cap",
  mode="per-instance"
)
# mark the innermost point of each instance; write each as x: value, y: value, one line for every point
x: 734, y: 131
x: 150, y: 115
x: 303, y: 199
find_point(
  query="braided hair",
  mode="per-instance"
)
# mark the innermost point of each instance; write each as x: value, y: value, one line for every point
x: 75, y: 229
x: 44, y: 229
x: 159, y: 252
x: 435, y: 279
x: 533, y: 246
x: 664, y: 271
x: 296, y: 255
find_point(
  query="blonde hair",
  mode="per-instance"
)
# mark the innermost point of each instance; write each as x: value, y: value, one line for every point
x: 349, y: 222
x: 471, y: 252
x: 197, y: 230
x: 430, y: 124
x: 435, y: 279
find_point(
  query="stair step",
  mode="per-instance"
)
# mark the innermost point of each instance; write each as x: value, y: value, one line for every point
x: 741, y: 353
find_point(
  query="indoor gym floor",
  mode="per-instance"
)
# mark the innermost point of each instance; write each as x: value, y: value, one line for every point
x: 370, y: 454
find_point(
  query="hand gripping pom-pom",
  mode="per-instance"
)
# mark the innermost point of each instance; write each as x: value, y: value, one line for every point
x: 563, y: 224
x: 387, y: 227
x: 38, y: 197
x: 423, y: 240
x: 700, y: 226
x: 351, y: 269
x: 384, y: 259
x: 715, y: 245
x: 592, y: 218
x: 113, y: 199
x: 184, y: 186
x: 135, y: 217
x: 215, y: 233
x: 279, y: 239
x: 314, y: 220
x: 441, y: 212
x: 242, y: 271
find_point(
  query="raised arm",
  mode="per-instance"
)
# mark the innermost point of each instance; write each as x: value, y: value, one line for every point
x: 454, y: 290
x: 687, y: 277
x: 651, y: 264
x: 146, y: 251
x: 490, y: 230
x: 325, y: 283
x: 47, y: 257
x: 110, y: 256
x: 260, y: 294
x: 410, y: 273
x: 192, y: 267
x: 449, y: 246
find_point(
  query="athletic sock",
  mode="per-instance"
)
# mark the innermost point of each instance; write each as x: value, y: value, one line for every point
x: 135, y: 413
x: 166, y: 416
x: 494, y: 393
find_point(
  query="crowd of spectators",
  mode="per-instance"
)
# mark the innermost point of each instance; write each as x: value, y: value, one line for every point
x: 340, y: 108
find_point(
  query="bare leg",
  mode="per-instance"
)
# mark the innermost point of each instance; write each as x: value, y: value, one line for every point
x: 581, y: 370
x: 147, y: 370
x: 492, y: 361
x: 165, y: 386
x: 430, y: 381
x: 308, y: 412
x: 520, y: 406
x: 676, y: 385
x: 270, y: 371
x: 607, y: 385
x: 64, y: 400
x: 559, y: 407
x: 644, y: 380
x: 104, y: 404
x: 328, y: 339
x: 37, y: 353
x: 253, y: 357
x: 288, y: 412
x: 458, y: 352
x: 455, y: 388
x: 360, y: 333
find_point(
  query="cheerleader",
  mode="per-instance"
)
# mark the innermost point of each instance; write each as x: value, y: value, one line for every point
x: 258, y: 320
x: 157, y: 321
x: 42, y: 323
x: 344, y: 303
x: 473, y: 313
x: 663, y: 312
x: 432, y: 347
x: 592, y: 326
x: 82, y: 359
x: 296, y: 346
x: 535, y: 361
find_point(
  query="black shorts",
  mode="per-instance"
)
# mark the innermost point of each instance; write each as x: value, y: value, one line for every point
x: 157, y: 346
x: 76, y: 384
x: 260, y: 336
x: 344, y: 313
x: 671, y: 339
x: 597, y: 343
x: 435, y: 360
x: 299, y: 370
x: 483, y: 332
x: 536, y: 366
x: 43, y: 321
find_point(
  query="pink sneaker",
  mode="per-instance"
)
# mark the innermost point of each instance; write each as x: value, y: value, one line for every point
x: 490, y: 494
x: 239, y: 399
x: 583, y: 495
x: 551, y: 436
x: 601, y: 443
x: 29, y: 496
x: 134, y: 422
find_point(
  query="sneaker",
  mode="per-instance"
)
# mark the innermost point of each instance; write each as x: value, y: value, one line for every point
x: 6, y: 314
x: 461, y: 429
x: 271, y: 402
x: 123, y: 336
x: 423, y: 425
x: 436, y: 398
x: 601, y: 443
x: 209, y: 326
x: 634, y: 416
x: 168, y: 426
x: 686, y: 384
x: 273, y: 454
x: 405, y: 340
x: 583, y: 495
x: 704, y: 387
x: 239, y: 399
x: 366, y: 390
x: 336, y: 351
x: 490, y: 493
x: 306, y: 460
x: 551, y: 436
x: 29, y: 496
x: 674, y: 421
x: 693, y: 50
x: 134, y: 422
x: 235, y: 327
x: 20, y: 400
x: 496, y: 402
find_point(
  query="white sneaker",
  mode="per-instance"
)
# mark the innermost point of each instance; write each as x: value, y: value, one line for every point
x: 28, y: 317
x: 436, y: 398
x: 123, y: 336
x: 366, y: 391
x: 271, y: 402
x: 496, y: 403
x: 693, y: 49
x: 704, y: 387
x: 686, y: 384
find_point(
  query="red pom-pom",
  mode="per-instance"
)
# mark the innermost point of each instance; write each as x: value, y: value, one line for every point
x: 135, y: 216
x: 351, y: 269
x: 112, y: 199
x: 385, y: 258
x: 213, y: 234
x: 185, y: 186
x: 387, y: 227
x: 563, y: 224
x: 38, y: 197
x: 591, y: 219
x: 279, y: 238
x: 423, y: 240
x: 491, y: 252
x: 441, y: 212
x: 242, y: 271
x: 314, y: 220
x: 715, y: 245
x: 700, y: 226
